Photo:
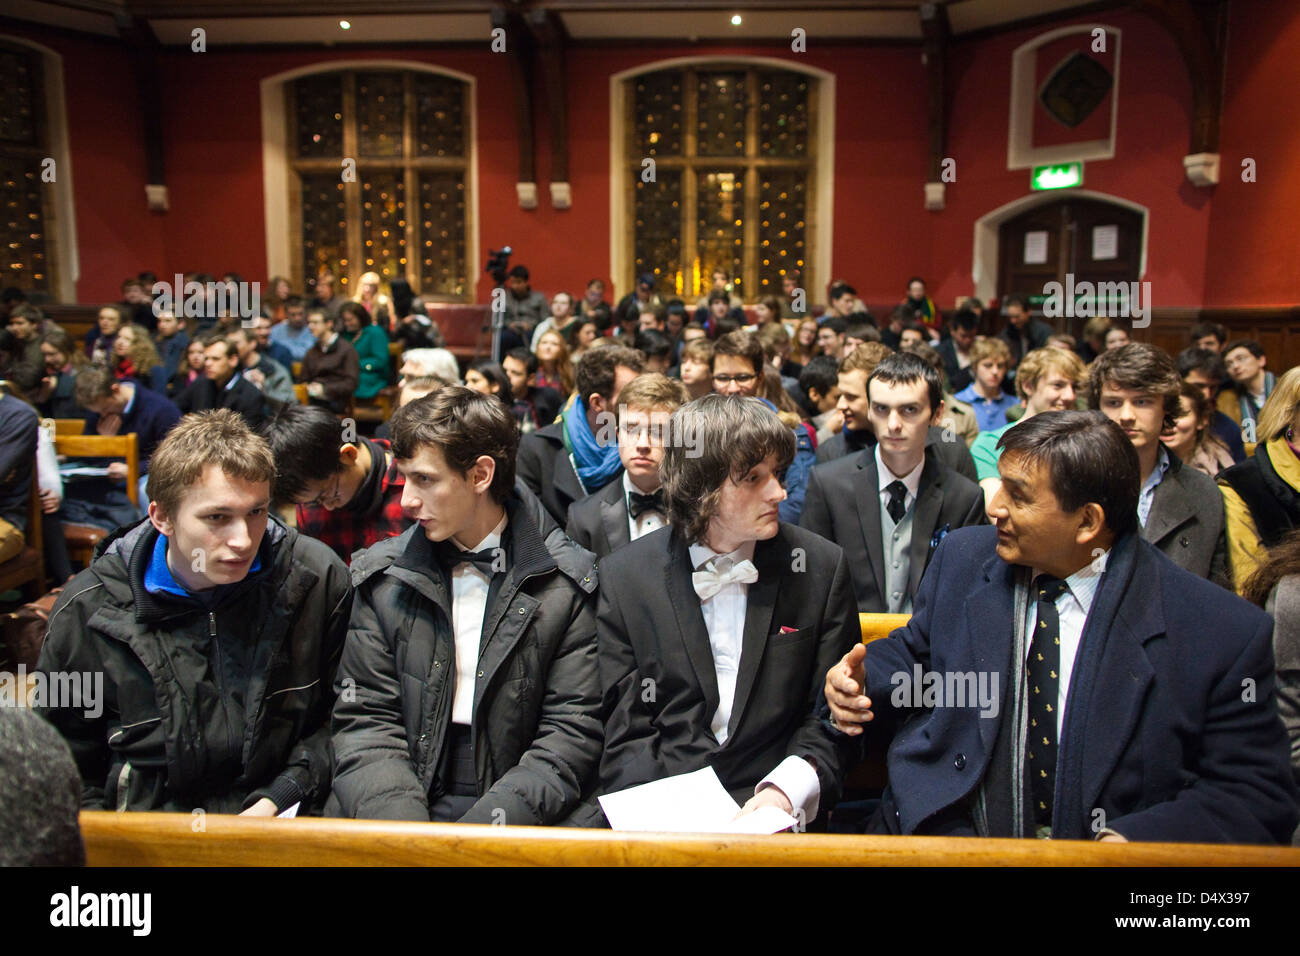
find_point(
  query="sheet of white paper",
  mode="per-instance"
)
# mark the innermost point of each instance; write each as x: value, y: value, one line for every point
x: 1105, y: 243
x: 83, y: 471
x: 290, y: 812
x: 688, y: 803
x: 1036, y: 247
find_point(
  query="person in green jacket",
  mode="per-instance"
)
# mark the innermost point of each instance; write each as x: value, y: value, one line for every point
x: 372, y: 348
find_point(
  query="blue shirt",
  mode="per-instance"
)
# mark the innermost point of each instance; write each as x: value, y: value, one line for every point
x: 1148, y: 494
x: 990, y: 413
x: 158, y: 576
x: 297, y: 343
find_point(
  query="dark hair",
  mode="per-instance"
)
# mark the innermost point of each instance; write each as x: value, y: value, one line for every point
x: 519, y: 272
x: 834, y: 323
x: 399, y: 292
x: 719, y: 295
x: 1201, y: 360
x: 1201, y: 329
x: 841, y: 289
x: 521, y: 354
x: 1017, y: 299
x: 862, y: 331
x: 822, y: 373
x: 905, y: 368
x: 1250, y: 345
x: 653, y: 343
x: 40, y: 793
x: 743, y: 345
x: 595, y: 370
x: 294, y: 301
x: 497, y: 376
x: 914, y: 326
x: 966, y: 320
x: 1138, y: 367
x: 675, y: 307
x: 726, y: 325
x: 717, y: 438
x: 355, y: 308
x: 465, y: 425
x: 1088, y: 459
x: 915, y: 279
x: 304, y: 440
x: 1283, y: 561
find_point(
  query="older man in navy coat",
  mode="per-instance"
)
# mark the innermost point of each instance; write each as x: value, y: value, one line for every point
x: 1134, y: 700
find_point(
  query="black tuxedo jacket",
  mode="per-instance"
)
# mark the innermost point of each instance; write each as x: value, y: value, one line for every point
x: 245, y: 398
x: 843, y: 505
x: 544, y: 466
x: 660, y: 684
x: 1171, y: 729
x: 599, y: 522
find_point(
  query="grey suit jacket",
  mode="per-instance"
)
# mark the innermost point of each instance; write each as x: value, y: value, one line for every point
x: 1186, y: 522
x: 843, y: 505
x: 599, y: 522
x: 1284, y: 605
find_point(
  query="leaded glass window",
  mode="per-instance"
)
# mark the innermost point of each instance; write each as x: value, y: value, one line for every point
x: 369, y: 144
x: 26, y: 178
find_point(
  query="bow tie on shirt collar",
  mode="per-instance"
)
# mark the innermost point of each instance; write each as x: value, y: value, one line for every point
x: 449, y: 556
x: 719, y: 572
x: 638, y: 504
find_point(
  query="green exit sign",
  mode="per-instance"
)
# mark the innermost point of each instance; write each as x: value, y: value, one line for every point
x: 1056, y: 177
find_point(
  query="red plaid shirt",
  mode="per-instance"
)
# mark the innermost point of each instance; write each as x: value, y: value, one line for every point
x: 345, y: 530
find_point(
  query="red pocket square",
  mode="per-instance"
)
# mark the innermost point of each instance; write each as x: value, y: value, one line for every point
x: 788, y: 630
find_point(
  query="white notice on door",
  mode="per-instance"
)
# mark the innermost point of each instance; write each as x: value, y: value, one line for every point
x: 1105, y: 243
x: 1036, y: 247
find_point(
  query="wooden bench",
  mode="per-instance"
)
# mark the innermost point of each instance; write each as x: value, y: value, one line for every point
x: 179, y: 839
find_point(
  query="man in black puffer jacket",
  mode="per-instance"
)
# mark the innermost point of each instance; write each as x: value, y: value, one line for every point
x: 213, y: 633
x: 468, y: 689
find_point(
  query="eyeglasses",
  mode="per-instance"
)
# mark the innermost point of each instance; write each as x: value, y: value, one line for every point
x: 738, y: 379
x: 319, y: 500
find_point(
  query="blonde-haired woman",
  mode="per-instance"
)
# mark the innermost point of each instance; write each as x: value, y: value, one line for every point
x: 1261, y: 495
x: 376, y: 303
x: 554, y: 367
x: 134, y: 356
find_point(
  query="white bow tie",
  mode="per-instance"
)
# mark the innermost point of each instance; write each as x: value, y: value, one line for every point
x: 710, y: 581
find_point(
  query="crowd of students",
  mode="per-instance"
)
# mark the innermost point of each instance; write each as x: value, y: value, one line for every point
x: 638, y: 546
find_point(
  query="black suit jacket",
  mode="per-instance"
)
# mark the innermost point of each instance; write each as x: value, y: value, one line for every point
x: 1171, y: 730
x: 544, y: 466
x: 843, y: 505
x: 953, y: 453
x: 599, y: 522
x: 660, y: 684
x: 958, y: 377
x: 245, y: 398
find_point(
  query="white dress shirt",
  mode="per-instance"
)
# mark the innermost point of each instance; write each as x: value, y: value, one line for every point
x: 724, y: 618
x: 648, y: 521
x: 885, y: 478
x: 1072, y: 609
x: 469, y: 594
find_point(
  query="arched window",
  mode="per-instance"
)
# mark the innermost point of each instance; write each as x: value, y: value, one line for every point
x: 722, y: 161
x: 379, y: 164
x: 24, y: 147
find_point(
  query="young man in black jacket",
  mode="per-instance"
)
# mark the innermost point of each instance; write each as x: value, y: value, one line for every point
x: 468, y: 689
x: 204, y: 641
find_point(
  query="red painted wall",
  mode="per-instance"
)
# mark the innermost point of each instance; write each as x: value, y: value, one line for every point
x: 881, y: 233
x: 1254, y: 248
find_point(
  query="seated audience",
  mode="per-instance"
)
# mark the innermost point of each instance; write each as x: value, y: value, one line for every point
x: 99, y: 340
x: 371, y: 345
x: 190, y: 616
x: 412, y: 325
x: 195, y: 355
x: 377, y: 305
x: 1210, y: 336
x: 350, y: 500
x: 1117, y: 712
x: 554, y: 365
x: 805, y: 346
x: 119, y: 408
x: 956, y: 349
x: 534, y: 407
x: 28, y: 328
x: 264, y: 373
x: 1251, y: 385
x: 625, y: 510
x: 735, y: 635
x: 889, y: 536
x: 489, y: 378
x: 18, y: 428
x: 278, y: 353
x: 578, y: 455
x: 1190, y: 438
x: 1179, y: 509
x: 62, y: 361
x: 1261, y: 495
x: 171, y: 340
x: 657, y: 349
x: 1205, y: 370
x: 819, y: 383
x: 958, y: 417
x: 696, y: 369
x: 439, y: 362
x: 462, y: 711
x: 292, y: 334
x: 1046, y: 382
x: 990, y: 359
x: 325, y: 298
x: 653, y: 318
x: 922, y: 307
x: 525, y: 306
x: 135, y: 357
x: 40, y: 793
x: 413, y: 388
x: 1093, y: 340
x: 223, y: 384
x: 1116, y: 337
x: 593, y: 301
x: 830, y: 336
x: 330, y: 368
x: 1023, y: 333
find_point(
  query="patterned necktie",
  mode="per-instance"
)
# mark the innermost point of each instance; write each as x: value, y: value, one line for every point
x: 449, y: 556
x: 720, y: 572
x: 1044, y: 688
x: 638, y: 504
x: 897, y: 506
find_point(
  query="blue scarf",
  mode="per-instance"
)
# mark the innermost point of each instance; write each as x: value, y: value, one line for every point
x: 595, y: 463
